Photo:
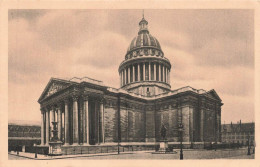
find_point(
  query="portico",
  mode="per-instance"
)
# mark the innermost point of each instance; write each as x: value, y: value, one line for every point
x: 80, y: 119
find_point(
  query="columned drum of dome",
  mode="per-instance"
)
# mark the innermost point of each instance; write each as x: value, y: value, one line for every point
x: 145, y: 67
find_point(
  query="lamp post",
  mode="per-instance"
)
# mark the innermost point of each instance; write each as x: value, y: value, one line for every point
x: 35, y: 150
x: 180, y: 130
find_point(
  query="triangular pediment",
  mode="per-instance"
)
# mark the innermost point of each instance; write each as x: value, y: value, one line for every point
x: 53, y: 87
x: 213, y: 94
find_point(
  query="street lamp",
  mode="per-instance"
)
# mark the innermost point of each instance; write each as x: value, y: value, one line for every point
x: 180, y: 130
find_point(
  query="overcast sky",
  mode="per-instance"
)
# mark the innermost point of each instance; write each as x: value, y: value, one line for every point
x: 208, y: 49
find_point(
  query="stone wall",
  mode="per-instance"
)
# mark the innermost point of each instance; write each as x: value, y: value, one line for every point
x: 110, y: 121
x: 124, y: 125
x: 186, y: 123
x: 196, y: 124
x: 209, y: 125
x: 132, y: 124
x: 150, y: 126
x: 143, y: 124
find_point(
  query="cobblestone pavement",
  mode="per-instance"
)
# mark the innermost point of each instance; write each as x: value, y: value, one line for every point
x: 188, y: 154
x: 14, y: 157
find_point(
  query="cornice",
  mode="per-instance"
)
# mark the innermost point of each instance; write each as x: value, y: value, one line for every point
x: 137, y: 84
x: 151, y: 59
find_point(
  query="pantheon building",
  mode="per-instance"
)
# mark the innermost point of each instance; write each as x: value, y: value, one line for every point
x: 90, y: 113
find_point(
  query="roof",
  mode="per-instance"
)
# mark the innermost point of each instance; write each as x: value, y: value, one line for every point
x: 13, y: 127
x: 61, y: 84
x: 144, y: 40
x: 58, y: 84
x: 243, y: 127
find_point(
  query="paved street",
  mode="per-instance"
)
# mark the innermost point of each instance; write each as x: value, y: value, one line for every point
x: 14, y: 157
x: 188, y: 154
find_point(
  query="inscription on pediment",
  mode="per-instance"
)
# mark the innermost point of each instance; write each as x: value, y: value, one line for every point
x: 55, y: 87
x: 93, y: 91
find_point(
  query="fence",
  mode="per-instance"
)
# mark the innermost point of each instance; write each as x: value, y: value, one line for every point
x: 70, y: 150
x: 97, y: 149
x: 210, y: 146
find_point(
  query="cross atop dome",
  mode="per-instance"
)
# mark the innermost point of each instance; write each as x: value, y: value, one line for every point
x: 143, y: 28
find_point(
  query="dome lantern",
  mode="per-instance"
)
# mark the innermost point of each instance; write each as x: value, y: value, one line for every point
x: 143, y: 26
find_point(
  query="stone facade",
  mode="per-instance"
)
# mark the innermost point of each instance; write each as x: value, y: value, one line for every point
x: 238, y: 133
x: 23, y: 137
x: 90, y: 113
x: 135, y: 118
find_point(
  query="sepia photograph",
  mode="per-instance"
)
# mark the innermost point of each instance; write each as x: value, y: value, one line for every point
x: 131, y: 84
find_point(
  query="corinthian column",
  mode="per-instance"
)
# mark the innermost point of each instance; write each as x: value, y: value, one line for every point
x: 52, y: 116
x: 169, y: 77
x: 154, y: 71
x: 66, y: 115
x: 163, y: 75
x: 160, y: 79
x: 47, y: 114
x: 102, y: 120
x: 75, y: 121
x: 42, y: 127
x: 166, y: 74
x: 97, y: 115
x: 133, y: 73
x: 125, y: 76
x: 201, y: 125
x: 138, y: 72
x: 86, y: 133
x: 59, y: 122
x: 129, y: 75
x: 144, y: 71
x: 120, y: 74
x: 86, y: 120
x: 149, y: 75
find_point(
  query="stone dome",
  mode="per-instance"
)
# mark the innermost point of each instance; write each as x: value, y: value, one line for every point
x: 145, y: 71
x: 144, y: 43
x: 144, y: 40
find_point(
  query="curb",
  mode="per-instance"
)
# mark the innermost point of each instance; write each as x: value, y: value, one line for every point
x: 80, y: 155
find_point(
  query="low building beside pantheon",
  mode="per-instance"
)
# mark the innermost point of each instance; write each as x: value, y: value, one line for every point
x: 90, y: 113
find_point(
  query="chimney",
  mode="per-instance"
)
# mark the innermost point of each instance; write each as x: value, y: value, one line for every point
x: 240, y: 125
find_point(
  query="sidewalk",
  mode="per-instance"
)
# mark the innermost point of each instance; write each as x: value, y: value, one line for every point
x: 47, y: 157
x: 188, y: 154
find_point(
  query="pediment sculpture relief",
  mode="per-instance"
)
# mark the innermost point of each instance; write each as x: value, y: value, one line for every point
x: 54, y: 88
